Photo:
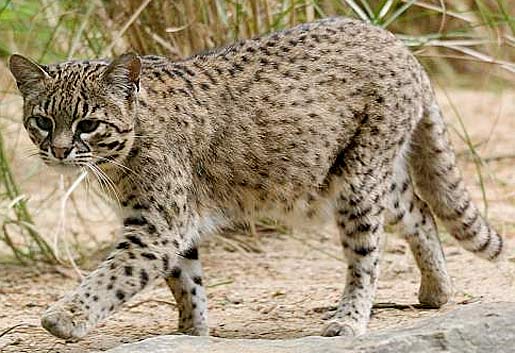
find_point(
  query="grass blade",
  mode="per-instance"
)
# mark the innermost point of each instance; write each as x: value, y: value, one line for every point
x: 398, y: 13
x: 358, y: 10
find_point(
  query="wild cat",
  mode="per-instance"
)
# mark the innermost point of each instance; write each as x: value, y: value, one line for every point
x: 334, y: 117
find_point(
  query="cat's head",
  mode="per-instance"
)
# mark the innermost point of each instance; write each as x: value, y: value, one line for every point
x: 81, y: 112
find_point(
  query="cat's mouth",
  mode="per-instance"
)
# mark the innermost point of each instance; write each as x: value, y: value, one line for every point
x: 95, y: 165
x: 81, y: 161
x: 64, y: 168
x: 73, y: 168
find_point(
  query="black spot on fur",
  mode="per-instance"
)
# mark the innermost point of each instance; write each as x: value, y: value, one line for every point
x: 136, y: 240
x: 128, y: 270
x: 363, y: 228
x: 363, y: 250
x: 405, y: 186
x: 123, y: 245
x: 424, y: 221
x: 176, y: 272
x: 398, y: 218
x: 135, y: 221
x: 190, y: 254
x: 120, y: 295
x: 359, y: 214
x: 197, y: 280
x: 143, y: 277
x: 152, y: 228
x: 149, y: 256
x: 166, y: 262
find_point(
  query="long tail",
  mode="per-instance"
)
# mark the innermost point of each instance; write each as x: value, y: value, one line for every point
x: 440, y: 184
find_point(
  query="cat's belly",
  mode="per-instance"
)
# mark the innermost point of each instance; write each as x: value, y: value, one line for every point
x: 306, y: 209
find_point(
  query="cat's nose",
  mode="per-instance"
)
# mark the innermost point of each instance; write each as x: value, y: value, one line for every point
x: 60, y: 152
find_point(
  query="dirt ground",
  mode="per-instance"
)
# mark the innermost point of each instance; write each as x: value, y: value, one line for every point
x: 285, y: 290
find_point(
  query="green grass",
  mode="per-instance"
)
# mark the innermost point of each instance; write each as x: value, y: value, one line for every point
x: 18, y: 216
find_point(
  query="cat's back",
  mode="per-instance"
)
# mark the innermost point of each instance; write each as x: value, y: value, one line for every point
x: 325, y: 63
x: 365, y: 52
x: 273, y: 113
x: 318, y: 47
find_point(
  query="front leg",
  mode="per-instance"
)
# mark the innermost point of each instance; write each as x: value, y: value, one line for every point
x: 185, y: 282
x: 143, y: 254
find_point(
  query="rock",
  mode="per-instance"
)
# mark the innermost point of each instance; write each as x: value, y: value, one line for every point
x: 475, y: 328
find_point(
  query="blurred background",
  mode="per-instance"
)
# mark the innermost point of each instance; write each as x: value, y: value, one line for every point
x: 464, y: 44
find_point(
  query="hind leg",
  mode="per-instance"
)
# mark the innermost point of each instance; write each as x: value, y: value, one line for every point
x: 359, y: 215
x: 185, y: 282
x: 418, y: 227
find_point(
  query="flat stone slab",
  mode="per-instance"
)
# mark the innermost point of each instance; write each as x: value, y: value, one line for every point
x: 474, y: 328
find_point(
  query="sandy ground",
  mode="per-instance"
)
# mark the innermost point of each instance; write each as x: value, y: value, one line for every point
x: 283, y: 291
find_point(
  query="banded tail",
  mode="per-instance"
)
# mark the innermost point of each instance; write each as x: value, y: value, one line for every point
x: 440, y: 184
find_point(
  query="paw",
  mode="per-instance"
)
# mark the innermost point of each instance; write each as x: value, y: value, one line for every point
x: 190, y: 327
x: 65, y: 322
x: 341, y: 328
x: 434, y: 293
x: 202, y: 330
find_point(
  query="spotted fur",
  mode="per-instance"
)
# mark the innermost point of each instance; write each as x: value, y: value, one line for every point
x: 331, y: 119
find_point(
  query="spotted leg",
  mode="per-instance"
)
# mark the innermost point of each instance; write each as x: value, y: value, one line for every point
x: 359, y: 215
x: 185, y: 282
x: 418, y: 227
x: 142, y: 255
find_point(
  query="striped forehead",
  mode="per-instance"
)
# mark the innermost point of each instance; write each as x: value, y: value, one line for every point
x: 69, y: 95
x: 72, y: 76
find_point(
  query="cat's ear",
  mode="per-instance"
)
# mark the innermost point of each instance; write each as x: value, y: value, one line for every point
x: 29, y: 76
x: 122, y: 75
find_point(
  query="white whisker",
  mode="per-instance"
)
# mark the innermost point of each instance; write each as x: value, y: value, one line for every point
x: 114, y: 162
x: 132, y: 175
x: 98, y: 179
x: 108, y: 182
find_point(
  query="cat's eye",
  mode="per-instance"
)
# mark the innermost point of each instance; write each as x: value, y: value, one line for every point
x: 43, y: 123
x: 87, y: 126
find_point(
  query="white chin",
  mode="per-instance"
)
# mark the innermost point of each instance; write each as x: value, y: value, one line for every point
x: 65, y: 169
